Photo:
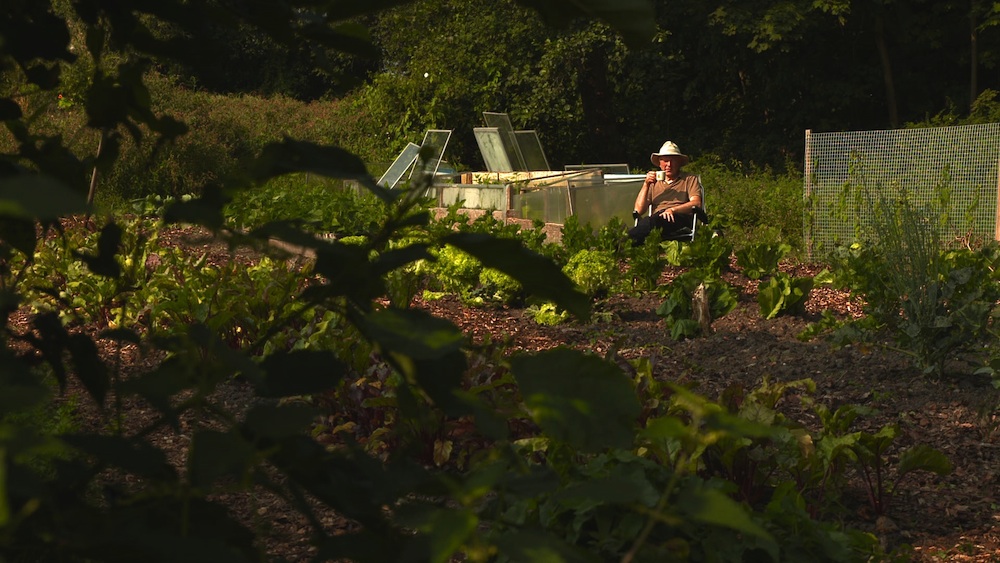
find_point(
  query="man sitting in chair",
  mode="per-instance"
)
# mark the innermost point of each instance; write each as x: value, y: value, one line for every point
x: 673, y: 196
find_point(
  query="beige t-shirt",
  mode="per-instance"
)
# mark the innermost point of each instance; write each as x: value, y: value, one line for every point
x: 683, y: 189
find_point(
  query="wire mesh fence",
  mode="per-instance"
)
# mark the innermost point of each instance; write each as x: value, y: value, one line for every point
x: 950, y: 172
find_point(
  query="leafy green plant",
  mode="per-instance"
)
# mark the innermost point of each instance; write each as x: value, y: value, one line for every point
x: 677, y: 310
x: 761, y: 259
x: 783, y: 294
x: 498, y: 287
x: 870, y: 453
x: 547, y: 313
x: 644, y: 263
x: 456, y: 271
x: 320, y: 205
x: 576, y: 237
x: 706, y: 252
x: 753, y: 204
x: 935, y: 302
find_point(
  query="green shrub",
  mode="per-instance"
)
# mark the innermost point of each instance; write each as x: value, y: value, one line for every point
x: 576, y: 237
x: 456, y: 271
x: 547, y: 313
x: 320, y: 205
x: 759, y: 207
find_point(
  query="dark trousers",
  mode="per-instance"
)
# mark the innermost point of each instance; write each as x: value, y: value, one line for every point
x: 645, y: 225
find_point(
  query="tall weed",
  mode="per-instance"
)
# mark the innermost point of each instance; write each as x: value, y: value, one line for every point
x: 936, y: 303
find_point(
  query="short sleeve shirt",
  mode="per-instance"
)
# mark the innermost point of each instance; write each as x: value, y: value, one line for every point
x: 685, y: 188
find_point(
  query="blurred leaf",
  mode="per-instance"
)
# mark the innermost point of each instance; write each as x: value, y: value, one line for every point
x: 276, y: 422
x: 206, y: 210
x: 578, y: 398
x: 291, y: 155
x: 133, y: 455
x: 216, y: 455
x: 713, y: 507
x: 19, y: 233
x: 361, y: 545
x: 413, y: 333
x: 299, y: 372
x: 34, y: 196
x: 488, y: 421
x: 539, y: 547
x: 105, y: 263
x: 9, y: 110
x: 539, y: 276
x: 444, y: 530
x: 614, y: 489
x: 923, y: 458
x: 22, y: 389
x: 397, y: 258
x: 88, y: 367
x: 441, y: 378
x: 52, y: 343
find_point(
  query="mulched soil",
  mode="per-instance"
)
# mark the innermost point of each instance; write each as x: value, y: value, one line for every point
x: 953, y: 518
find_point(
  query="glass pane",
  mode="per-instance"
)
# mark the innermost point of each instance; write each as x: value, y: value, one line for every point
x: 531, y: 150
x: 437, y: 139
x: 502, y: 122
x: 492, y: 148
x: 597, y: 204
x: 398, y: 167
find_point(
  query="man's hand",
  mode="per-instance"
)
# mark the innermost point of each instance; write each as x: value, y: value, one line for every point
x: 636, y: 214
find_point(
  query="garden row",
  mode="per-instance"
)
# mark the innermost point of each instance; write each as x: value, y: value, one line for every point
x: 478, y: 451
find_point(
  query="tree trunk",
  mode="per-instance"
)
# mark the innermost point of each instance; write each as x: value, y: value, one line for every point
x: 973, y: 55
x: 890, y: 85
x: 598, y: 109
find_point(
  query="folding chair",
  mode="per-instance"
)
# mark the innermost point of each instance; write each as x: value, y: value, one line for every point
x: 685, y: 233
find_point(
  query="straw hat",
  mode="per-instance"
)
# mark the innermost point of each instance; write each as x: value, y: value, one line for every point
x: 669, y: 148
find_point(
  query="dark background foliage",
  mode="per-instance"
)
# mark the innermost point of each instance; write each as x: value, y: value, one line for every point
x: 741, y: 80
